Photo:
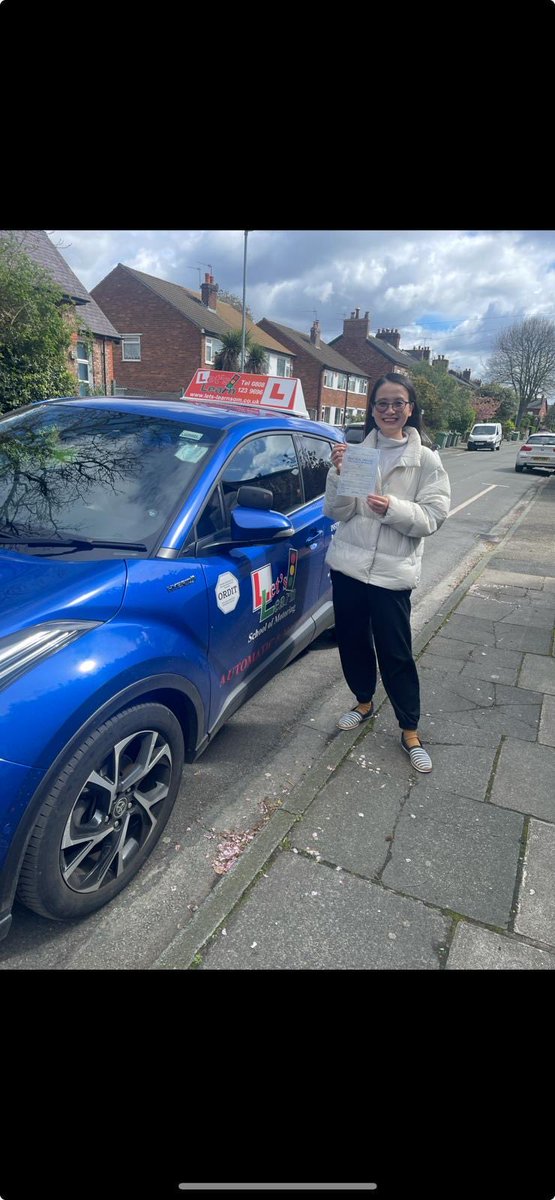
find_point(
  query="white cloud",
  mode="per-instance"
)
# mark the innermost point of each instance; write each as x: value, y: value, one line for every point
x: 452, y: 290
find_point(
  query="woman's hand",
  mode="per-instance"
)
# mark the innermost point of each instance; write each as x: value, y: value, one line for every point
x: 337, y: 455
x: 378, y: 504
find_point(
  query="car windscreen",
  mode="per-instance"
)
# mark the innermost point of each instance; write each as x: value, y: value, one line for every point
x: 97, y: 474
x: 542, y: 439
x: 481, y: 429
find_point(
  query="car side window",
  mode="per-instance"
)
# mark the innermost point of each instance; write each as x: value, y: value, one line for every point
x: 316, y: 462
x: 267, y: 462
x: 211, y: 520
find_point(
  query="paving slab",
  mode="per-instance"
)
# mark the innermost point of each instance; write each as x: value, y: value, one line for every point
x: 523, y: 637
x: 485, y: 726
x: 523, y: 565
x: 515, y: 695
x: 507, y: 612
x: 479, y: 692
x: 536, y: 900
x: 488, y: 666
x: 508, y: 578
x: 446, y: 647
x: 348, y: 823
x: 478, y: 632
x: 538, y: 671
x: 457, y: 854
x: 546, y: 734
x: 307, y: 916
x: 525, y: 779
x: 476, y: 949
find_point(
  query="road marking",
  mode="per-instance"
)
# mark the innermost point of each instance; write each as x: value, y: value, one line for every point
x: 472, y: 499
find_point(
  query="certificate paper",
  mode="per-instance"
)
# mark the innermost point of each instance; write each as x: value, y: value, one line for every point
x: 358, y: 472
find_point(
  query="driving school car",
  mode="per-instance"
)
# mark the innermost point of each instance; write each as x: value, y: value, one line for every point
x: 159, y: 562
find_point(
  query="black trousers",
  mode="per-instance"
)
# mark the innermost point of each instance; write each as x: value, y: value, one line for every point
x: 372, y: 621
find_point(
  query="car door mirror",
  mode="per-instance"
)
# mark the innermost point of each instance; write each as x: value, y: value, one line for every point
x: 255, y: 497
x: 252, y: 525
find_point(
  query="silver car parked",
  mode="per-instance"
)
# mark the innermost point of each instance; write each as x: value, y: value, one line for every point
x: 538, y: 451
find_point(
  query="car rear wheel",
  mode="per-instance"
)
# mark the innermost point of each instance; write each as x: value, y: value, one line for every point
x: 104, y: 814
x: 517, y: 468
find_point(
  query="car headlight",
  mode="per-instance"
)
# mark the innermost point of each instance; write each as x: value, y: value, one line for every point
x: 20, y: 651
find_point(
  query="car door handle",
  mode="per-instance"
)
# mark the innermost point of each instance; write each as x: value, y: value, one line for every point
x: 316, y: 533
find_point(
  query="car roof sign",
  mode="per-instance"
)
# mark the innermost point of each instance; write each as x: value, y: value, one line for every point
x: 235, y: 387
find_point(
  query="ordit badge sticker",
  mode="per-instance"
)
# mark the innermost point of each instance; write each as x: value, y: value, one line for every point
x: 227, y: 592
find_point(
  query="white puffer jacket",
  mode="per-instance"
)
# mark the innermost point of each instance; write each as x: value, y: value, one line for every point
x: 387, y: 551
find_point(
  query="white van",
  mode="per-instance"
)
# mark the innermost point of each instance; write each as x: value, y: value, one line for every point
x: 487, y: 435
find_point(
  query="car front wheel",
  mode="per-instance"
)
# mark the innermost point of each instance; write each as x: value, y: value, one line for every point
x: 104, y: 814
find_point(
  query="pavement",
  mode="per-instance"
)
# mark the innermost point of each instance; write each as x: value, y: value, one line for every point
x: 369, y: 865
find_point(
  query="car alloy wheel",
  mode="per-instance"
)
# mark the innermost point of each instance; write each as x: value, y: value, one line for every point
x: 105, y: 813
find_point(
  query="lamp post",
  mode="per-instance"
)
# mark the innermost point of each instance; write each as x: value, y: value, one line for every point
x: 346, y: 398
x: 244, y: 318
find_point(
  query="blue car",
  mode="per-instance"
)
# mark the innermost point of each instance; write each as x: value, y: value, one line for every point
x: 159, y: 562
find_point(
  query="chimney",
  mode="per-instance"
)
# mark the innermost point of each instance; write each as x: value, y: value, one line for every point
x: 422, y: 353
x: 315, y: 334
x: 391, y: 336
x: 441, y: 361
x: 356, y: 326
x: 466, y: 375
x: 209, y: 292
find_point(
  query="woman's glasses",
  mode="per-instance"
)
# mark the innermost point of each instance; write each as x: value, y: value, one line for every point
x: 383, y: 405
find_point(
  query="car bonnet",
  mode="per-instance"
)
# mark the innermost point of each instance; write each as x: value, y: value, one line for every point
x: 34, y: 590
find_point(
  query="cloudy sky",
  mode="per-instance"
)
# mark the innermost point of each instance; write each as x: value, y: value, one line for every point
x: 452, y: 290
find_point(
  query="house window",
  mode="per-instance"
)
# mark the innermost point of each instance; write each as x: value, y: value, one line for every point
x: 83, y: 369
x: 279, y: 364
x: 131, y: 347
x: 212, y: 346
x: 283, y: 366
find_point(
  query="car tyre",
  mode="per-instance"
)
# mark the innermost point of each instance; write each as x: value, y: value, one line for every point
x: 517, y: 468
x: 104, y: 813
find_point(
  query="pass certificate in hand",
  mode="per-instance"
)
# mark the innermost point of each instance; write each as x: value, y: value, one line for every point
x: 358, y: 472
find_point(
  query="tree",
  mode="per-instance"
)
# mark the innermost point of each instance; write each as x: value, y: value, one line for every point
x: 429, y: 400
x: 257, y: 362
x: 524, y: 358
x: 229, y: 357
x: 446, y: 403
x: 35, y: 331
x: 507, y: 400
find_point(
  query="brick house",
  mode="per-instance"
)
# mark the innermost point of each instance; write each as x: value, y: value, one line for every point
x: 169, y: 331
x: 334, y: 388
x: 91, y: 357
x: 538, y: 409
x: 377, y: 355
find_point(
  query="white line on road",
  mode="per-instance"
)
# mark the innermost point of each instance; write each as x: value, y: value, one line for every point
x: 472, y: 499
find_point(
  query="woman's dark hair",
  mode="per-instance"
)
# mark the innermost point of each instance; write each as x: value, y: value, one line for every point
x: 403, y: 381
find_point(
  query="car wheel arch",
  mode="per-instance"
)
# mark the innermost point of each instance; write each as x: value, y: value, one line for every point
x: 177, y: 694
x: 74, y: 863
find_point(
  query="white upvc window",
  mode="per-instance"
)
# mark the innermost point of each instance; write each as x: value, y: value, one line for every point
x: 131, y: 347
x: 279, y: 364
x: 283, y: 366
x: 211, y: 347
x: 84, y: 369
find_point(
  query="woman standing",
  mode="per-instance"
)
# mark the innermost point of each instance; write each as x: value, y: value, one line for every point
x: 375, y: 558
